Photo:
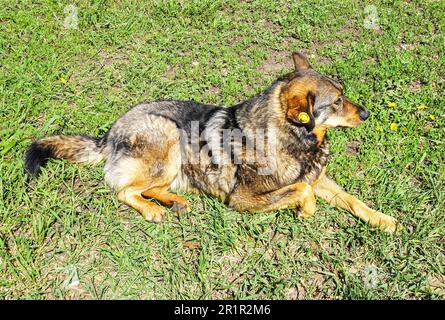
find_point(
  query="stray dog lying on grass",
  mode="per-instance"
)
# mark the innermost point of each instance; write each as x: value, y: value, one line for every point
x: 266, y: 153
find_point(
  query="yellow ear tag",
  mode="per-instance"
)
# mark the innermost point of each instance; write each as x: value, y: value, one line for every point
x: 304, y: 117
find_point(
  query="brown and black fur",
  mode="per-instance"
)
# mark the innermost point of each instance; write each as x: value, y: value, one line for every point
x: 147, y: 159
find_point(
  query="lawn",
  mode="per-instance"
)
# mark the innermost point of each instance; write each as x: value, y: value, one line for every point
x: 68, y: 225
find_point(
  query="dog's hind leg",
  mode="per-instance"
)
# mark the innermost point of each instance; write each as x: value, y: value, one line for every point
x: 132, y: 196
x: 167, y: 198
x: 139, y: 179
x: 145, y: 164
x: 328, y: 190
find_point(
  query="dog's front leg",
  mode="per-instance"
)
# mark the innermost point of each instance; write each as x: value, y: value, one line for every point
x: 296, y: 195
x: 328, y: 190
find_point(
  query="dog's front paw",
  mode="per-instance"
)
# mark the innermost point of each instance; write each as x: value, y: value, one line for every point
x: 387, y: 223
x: 303, y: 212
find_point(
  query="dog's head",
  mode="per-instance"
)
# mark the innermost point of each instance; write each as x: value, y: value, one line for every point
x: 312, y: 99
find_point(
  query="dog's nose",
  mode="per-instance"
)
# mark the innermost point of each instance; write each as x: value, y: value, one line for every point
x: 363, y: 113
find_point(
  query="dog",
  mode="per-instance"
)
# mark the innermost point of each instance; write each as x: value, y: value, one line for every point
x: 264, y: 154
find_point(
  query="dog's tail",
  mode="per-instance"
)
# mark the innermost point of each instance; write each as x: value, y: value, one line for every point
x: 77, y: 149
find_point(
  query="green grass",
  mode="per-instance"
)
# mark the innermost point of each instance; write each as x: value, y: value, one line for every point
x: 54, y: 80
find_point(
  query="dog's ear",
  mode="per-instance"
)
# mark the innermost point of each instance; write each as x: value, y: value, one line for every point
x: 300, y: 110
x: 300, y: 61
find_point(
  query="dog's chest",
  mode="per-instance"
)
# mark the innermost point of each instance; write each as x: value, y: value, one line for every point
x: 305, y: 166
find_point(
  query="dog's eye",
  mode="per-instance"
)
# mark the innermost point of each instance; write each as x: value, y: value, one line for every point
x: 337, y: 104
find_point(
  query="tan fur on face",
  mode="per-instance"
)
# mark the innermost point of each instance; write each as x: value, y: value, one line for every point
x: 351, y: 113
x: 294, y: 97
x: 348, y: 116
x: 307, y: 86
